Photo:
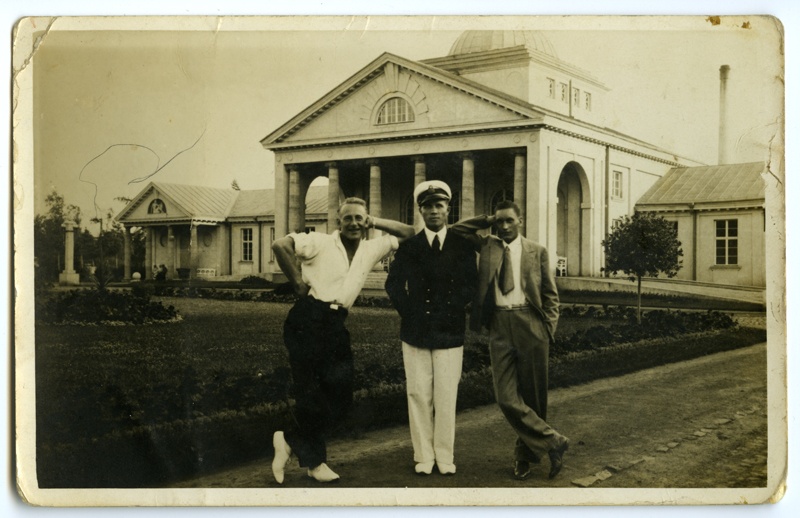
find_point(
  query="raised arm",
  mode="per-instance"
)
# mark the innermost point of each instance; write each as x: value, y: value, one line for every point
x: 468, y: 229
x: 400, y: 230
x: 287, y: 260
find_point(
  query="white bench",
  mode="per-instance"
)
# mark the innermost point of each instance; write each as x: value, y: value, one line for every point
x: 206, y: 272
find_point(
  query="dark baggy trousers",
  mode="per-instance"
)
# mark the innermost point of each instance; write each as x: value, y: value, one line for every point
x: 322, y: 370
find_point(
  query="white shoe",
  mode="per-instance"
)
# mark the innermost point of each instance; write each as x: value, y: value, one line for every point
x: 282, y: 454
x: 423, y: 468
x: 446, y: 469
x: 323, y: 473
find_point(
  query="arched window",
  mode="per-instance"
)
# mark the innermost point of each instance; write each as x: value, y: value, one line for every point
x: 394, y: 111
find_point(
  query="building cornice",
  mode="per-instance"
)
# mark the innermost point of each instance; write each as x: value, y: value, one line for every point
x: 511, y: 57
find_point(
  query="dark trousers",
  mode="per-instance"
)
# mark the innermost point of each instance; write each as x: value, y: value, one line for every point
x: 322, y: 370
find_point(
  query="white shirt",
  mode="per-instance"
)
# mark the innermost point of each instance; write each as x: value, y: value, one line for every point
x: 325, y: 267
x: 515, y: 297
x: 430, y: 234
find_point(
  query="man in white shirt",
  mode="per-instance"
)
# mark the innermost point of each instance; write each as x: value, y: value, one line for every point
x: 517, y: 301
x: 334, y: 269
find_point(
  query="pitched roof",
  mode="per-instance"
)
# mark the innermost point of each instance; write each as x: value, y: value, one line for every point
x: 197, y: 200
x: 707, y: 184
x: 261, y: 202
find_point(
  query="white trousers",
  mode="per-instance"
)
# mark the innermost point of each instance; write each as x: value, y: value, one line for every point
x: 432, y: 378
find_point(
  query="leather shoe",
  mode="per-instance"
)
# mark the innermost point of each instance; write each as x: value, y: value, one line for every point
x: 446, y: 469
x: 282, y: 454
x: 323, y: 473
x: 522, y: 468
x: 423, y: 468
x: 557, y: 456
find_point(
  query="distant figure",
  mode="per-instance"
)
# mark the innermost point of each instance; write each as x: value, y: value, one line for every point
x: 161, y: 274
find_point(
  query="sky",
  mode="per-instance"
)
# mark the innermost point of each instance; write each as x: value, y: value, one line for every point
x: 114, y: 109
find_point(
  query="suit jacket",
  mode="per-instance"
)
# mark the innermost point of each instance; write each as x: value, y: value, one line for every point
x: 431, y: 290
x: 537, y: 278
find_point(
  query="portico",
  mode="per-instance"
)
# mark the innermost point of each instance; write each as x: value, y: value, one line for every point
x: 398, y: 122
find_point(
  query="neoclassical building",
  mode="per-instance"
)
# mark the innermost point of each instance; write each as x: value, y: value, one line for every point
x: 205, y: 232
x: 501, y: 116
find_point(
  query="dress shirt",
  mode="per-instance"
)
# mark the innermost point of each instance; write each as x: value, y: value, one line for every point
x: 325, y: 267
x: 430, y: 234
x: 515, y: 297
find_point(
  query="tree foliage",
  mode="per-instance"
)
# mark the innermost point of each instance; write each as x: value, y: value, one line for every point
x: 48, y: 236
x: 643, y: 245
x: 102, y: 253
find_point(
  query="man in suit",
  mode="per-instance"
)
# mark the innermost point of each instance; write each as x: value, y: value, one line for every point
x: 430, y: 282
x: 517, y: 301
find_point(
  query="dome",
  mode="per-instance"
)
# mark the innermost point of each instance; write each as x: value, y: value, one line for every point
x: 480, y: 41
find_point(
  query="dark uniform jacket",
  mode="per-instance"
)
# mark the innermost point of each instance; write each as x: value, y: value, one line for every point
x: 430, y: 290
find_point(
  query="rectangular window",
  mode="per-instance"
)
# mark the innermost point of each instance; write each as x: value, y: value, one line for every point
x: 247, y: 244
x: 727, y: 233
x: 576, y: 97
x: 564, y: 93
x: 616, y: 186
x: 588, y: 101
x: 551, y: 88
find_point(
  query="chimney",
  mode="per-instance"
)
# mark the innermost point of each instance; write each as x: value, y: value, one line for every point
x: 723, y: 114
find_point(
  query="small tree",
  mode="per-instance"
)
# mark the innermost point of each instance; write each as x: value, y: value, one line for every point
x: 643, y: 245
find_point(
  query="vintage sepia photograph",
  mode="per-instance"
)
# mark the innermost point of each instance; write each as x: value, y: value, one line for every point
x: 399, y: 260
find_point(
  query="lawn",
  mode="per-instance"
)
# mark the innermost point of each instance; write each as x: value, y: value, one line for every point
x: 203, y: 388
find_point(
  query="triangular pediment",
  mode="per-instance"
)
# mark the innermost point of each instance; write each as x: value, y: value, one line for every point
x: 152, y: 204
x: 163, y: 202
x: 437, y: 101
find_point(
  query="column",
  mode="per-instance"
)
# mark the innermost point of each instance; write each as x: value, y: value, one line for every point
x: 519, y: 179
x: 193, y: 250
x: 374, y: 193
x: 281, y: 200
x: 126, y: 247
x: 149, y: 258
x: 420, y: 175
x: 467, y: 185
x: 69, y: 275
x: 171, y: 253
x: 294, y: 200
x: 333, y: 195
x: 535, y: 206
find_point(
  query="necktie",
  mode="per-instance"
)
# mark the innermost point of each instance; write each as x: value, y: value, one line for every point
x: 435, y: 244
x: 506, y: 273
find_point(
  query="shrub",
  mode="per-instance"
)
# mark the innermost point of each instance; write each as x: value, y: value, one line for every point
x: 255, y: 280
x: 96, y: 306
